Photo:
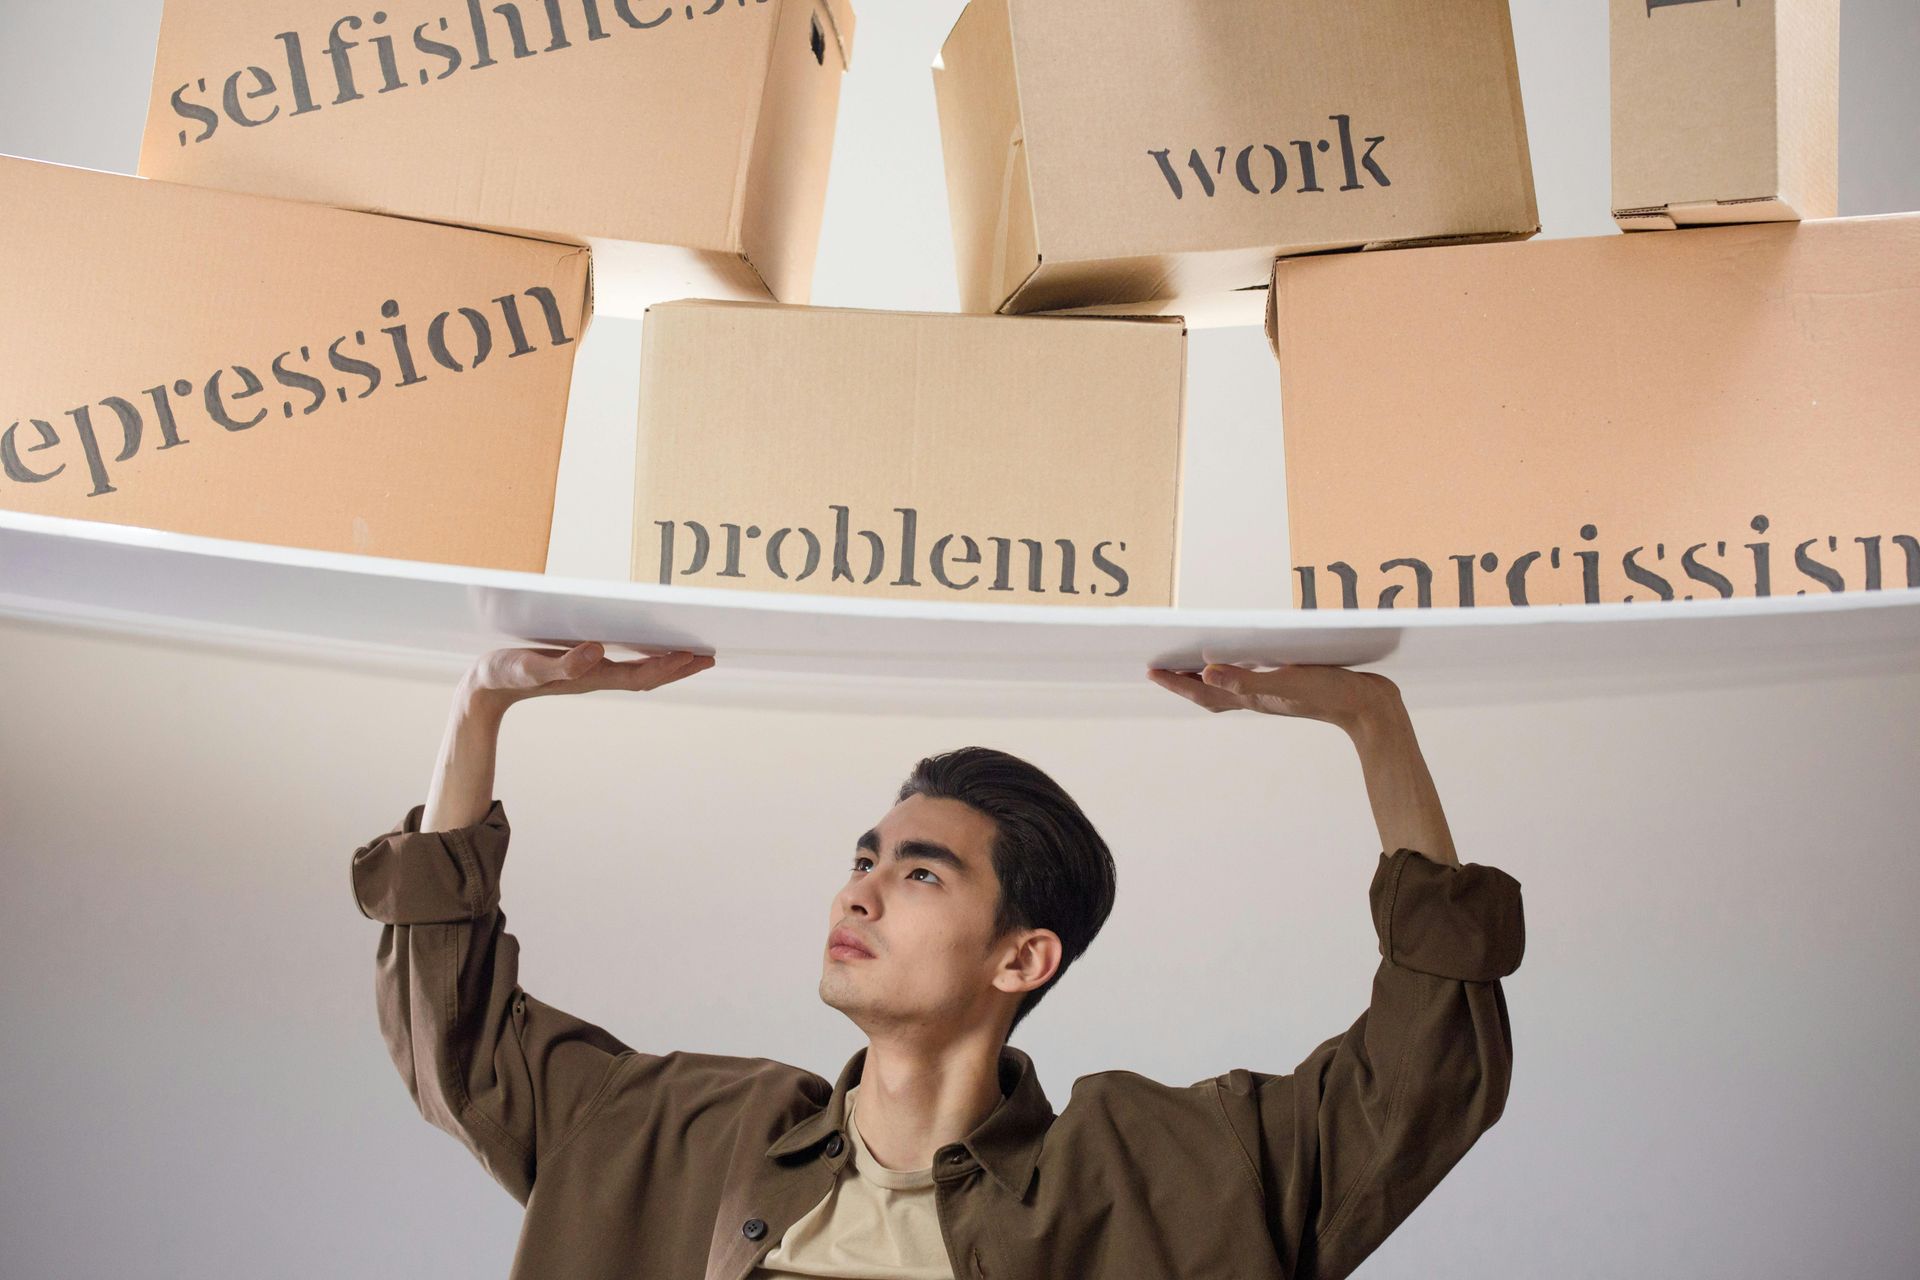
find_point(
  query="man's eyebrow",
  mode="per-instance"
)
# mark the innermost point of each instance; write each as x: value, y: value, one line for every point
x: 925, y: 850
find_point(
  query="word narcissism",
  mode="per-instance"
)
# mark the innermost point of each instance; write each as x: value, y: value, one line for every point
x: 241, y: 95
x: 795, y: 554
x: 1636, y: 564
x: 219, y: 396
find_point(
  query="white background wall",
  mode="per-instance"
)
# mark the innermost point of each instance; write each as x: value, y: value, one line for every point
x: 1716, y: 1025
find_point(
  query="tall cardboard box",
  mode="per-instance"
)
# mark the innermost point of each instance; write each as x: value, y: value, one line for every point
x: 910, y: 456
x: 1730, y: 412
x: 687, y: 144
x: 1724, y: 111
x: 1139, y: 156
x: 203, y: 362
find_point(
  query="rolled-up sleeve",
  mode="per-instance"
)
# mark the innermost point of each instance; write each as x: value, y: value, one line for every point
x: 511, y: 1077
x: 1350, y: 1142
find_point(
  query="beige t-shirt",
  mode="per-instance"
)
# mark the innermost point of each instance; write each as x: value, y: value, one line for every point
x: 874, y: 1224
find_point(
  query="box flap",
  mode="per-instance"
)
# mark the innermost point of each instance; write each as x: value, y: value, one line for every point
x: 841, y: 19
x: 983, y: 148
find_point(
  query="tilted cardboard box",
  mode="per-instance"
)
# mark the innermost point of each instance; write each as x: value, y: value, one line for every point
x: 907, y: 455
x: 688, y: 144
x: 1140, y: 156
x: 1724, y: 111
x: 1732, y: 411
x: 210, y: 363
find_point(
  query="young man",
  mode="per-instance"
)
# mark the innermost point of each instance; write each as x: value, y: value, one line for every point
x: 934, y: 1153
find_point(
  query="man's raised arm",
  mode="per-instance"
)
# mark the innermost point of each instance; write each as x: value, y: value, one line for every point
x: 1355, y: 1137
x: 509, y: 1076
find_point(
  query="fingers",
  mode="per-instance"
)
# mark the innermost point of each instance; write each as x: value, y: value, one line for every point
x: 576, y: 661
x: 652, y: 673
x: 1221, y: 676
x: 1190, y: 687
x: 585, y: 668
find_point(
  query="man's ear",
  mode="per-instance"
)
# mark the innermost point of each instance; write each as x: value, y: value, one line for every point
x: 1032, y: 962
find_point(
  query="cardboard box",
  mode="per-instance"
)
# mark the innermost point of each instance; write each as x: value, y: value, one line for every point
x: 209, y: 363
x: 1724, y: 111
x: 1730, y: 412
x: 1134, y: 155
x: 912, y: 456
x: 687, y: 144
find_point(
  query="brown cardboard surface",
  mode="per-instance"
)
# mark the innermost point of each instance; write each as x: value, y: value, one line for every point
x: 1028, y: 460
x: 237, y: 367
x: 1101, y: 153
x: 689, y: 145
x: 1729, y: 411
x: 1724, y: 111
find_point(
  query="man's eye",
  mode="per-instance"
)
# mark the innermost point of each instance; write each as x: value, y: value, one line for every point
x: 917, y: 870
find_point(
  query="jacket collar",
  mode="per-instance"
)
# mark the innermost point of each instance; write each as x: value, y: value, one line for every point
x: 1006, y: 1143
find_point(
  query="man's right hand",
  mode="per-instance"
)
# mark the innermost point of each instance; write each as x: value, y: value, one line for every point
x: 506, y: 676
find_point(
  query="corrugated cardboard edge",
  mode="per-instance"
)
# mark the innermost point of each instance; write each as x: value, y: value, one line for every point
x: 1807, y: 106
x: 743, y: 161
x: 1273, y: 309
x: 840, y: 19
x: 1520, y: 123
x: 1427, y: 242
x: 1179, y: 470
x: 1706, y: 213
x: 1232, y: 308
x: 586, y: 309
x: 1026, y: 168
x: 639, y: 446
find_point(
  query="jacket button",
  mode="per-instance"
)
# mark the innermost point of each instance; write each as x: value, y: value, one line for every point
x: 833, y: 1145
x: 753, y: 1228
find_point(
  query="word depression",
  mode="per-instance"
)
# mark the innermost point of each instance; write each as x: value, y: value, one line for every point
x: 241, y: 97
x: 796, y: 554
x: 473, y: 333
x: 1263, y: 168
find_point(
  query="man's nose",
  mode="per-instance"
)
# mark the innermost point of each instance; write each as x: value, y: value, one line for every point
x: 860, y: 896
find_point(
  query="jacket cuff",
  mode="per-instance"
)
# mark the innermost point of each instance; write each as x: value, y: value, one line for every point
x: 410, y: 876
x: 1460, y: 922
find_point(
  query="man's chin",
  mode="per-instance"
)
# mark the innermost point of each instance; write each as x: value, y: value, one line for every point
x: 838, y: 992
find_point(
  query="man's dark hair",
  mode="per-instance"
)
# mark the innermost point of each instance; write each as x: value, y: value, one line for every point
x: 1055, y: 871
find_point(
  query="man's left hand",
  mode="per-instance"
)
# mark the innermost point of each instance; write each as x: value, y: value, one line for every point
x: 1336, y: 695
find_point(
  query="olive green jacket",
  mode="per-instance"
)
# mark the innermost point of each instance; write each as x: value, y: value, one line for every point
x: 690, y: 1166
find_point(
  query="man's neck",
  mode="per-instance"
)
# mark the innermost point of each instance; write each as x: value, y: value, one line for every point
x: 915, y: 1100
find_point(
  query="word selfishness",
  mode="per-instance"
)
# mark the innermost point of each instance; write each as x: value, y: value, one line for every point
x: 244, y: 95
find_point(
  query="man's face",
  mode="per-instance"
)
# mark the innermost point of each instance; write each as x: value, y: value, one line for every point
x: 920, y: 897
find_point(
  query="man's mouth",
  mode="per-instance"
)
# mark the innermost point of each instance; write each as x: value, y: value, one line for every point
x: 842, y: 945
